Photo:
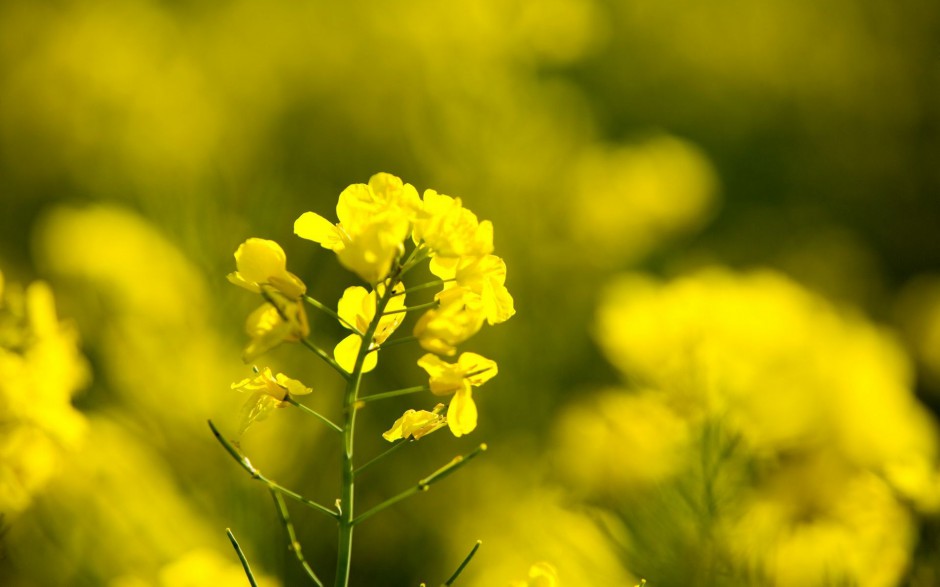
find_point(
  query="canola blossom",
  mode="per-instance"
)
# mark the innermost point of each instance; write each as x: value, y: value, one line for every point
x: 470, y: 370
x: 384, y: 230
x: 268, y: 392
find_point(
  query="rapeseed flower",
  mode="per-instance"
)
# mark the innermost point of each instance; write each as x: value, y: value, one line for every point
x: 416, y: 424
x: 268, y: 391
x: 270, y: 325
x: 459, y: 316
x: 470, y: 370
x: 374, y: 221
x: 261, y: 262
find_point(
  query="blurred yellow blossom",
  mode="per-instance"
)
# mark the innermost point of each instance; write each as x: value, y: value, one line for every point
x: 470, y: 370
x: 357, y: 309
x: 374, y: 221
x: 268, y: 392
x: 620, y: 441
x: 631, y: 198
x: 263, y: 262
x: 198, y: 568
x: 824, y: 450
x: 41, y: 369
x: 459, y: 316
x: 541, y: 574
x: 416, y: 424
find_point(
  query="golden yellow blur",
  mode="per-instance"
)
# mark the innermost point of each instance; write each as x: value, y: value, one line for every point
x: 720, y: 220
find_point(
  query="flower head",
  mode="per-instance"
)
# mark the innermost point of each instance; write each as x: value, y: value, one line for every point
x: 261, y: 262
x: 374, y: 221
x: 268, y: 392
x: 450, y: 230
x: 415, y: 424
x: 540, y: 575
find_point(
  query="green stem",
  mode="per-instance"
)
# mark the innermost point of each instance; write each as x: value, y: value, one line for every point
x: 423, y: 484
x: 397, y: 341
x: 433, y: 304
x: 294, y: 545
x: 241, y: 557
x: 350, y: 404
x: 423, y: 286
x: 314, y: 413
x: 398, y: 444
x: 464, y: 564
x: 396, y: 393
x: 330, y: 312
x: 256, y: 474
x: 326, y: 357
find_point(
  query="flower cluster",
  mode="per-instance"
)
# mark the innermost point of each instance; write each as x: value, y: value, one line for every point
x: 384, y: 229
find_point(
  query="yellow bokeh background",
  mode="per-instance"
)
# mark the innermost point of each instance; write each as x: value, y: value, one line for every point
x: 720, y: 226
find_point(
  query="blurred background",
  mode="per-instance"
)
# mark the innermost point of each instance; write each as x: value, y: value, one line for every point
x: 721, y: 227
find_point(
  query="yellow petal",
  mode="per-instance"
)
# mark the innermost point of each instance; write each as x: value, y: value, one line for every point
x: 354, y: 307
x: 258, y: 259
x: 313, y: 227
x: 258, y: 407
x: 462, y: 413
x: 346, y: 351
x: 293, y: 386
x: 477, y: 368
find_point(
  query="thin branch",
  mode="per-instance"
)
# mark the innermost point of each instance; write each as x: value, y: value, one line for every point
x: 463, y: 565
x: 325, y: 356
x: 256, y: 474
x: 292, y: 536
x: 397, y: 341
x: 331, y: 312
x: 424, y: 286
x: 425, y: 306
x: 241, y: 557
x: 422, y: 485
x: 396, y: 393
x: 398, y: 444
x: 289, y: 399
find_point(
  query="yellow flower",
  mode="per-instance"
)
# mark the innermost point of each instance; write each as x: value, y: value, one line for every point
x: 470, y: 370
x: 357, y: 308
x: 459, y: 316
x: 486, y: 277
x: 263, y: 262
x: 540, y: 575
x: 268, y: 392
x: 269, y: 326
x: 374, y: 220
x: 450, y: 230
x: 415, y: 424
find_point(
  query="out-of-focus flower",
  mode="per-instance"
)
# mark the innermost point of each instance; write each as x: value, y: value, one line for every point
x: 416, y: 424
x: 41, y: 370
x: 459, y: 316
x: 268, y: 392
x: 620, y: 441
x: 541, y: 574
x: 357, y: 309
x: 197, y: 568
x: 470, y: 370
x: 263, y: 262
x: 822, y: 450
x: 630, y: 199
x: 270, y: 325
x: 374, y: 221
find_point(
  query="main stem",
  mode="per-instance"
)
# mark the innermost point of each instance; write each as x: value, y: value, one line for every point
x: 351, y: 399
